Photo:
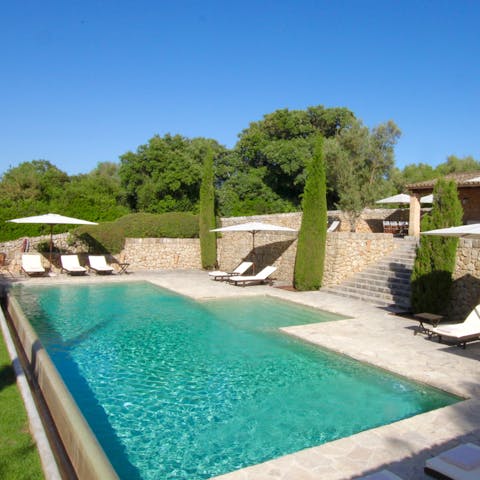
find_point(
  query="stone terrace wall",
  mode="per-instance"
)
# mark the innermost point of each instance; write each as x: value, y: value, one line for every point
x: 14, y: 249
x: 162, y: 253
x: 346, y: 253
x: 349, y: 253
x: 466, y: 279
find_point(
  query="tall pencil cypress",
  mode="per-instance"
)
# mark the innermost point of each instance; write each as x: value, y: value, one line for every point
x: 208, y: 240
x: 310, y: 257
x: 435, y: 260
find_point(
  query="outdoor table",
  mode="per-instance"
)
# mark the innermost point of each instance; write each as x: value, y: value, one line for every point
x: 431, y: 318
x: 123, y: 267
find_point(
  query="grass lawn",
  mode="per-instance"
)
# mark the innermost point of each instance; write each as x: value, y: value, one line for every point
x: 18, y: 454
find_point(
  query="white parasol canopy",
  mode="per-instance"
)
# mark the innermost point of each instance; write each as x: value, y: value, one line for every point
x: 465, y: 231
x: 52, y: 219
x: 399, y: 198
x: 427, y: 199
x: 254, y: 228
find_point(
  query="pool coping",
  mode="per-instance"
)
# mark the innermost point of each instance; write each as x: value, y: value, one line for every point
x: 84, y: 452
x: 374, y: 336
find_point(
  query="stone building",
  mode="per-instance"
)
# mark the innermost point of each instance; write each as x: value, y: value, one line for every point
x: 468, y: 185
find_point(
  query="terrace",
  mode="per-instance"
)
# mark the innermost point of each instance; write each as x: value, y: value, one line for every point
x: 374, y: 336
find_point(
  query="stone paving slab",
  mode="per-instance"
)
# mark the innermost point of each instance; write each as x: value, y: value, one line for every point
x: 372, y: 335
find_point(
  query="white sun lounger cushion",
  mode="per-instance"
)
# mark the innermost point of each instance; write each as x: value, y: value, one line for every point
x: 70, y: 263
x: 470, y: 327
x: 241, y: 269
x: 459, y: 463
x: 98, y: 262
x: 32, y: 264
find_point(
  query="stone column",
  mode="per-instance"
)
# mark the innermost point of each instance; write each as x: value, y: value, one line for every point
x: 414, y: 216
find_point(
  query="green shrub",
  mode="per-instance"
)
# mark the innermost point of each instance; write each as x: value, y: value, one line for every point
x: 435, y: 260
x: 208, y: 239
x: 109, y: 237
x: 310, y: 257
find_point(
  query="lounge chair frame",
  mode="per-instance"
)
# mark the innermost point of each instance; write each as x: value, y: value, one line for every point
x: 446, y: 467
x: 222, y: 276
x: 32, y: 266
x: 262, y: 277
x: 460, y: 333
x: 98, y: 264
x: 72, y: 266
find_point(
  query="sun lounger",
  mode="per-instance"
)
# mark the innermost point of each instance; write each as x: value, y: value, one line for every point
x: 240, y: 270
x: 334, y: 225
x: 32, y: 265
x: 71, y: 265
x: 260, y: 277
x: 459, y: 463
x: 99, y: 265
x: 462, y: 333
x: 382, y: 475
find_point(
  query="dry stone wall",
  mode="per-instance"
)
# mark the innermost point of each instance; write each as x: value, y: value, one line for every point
x: 346, y: 253
x: 465, y: 294
x: 162, y: 253
x: 349, y: 253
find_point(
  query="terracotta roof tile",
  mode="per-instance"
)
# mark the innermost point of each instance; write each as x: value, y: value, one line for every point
x: 463, y: 179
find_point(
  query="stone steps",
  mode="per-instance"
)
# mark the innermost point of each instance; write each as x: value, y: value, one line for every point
x: 386, y: 283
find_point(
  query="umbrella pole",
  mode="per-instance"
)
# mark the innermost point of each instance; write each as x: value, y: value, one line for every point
x: 51, y: 245
x: 253, y: 251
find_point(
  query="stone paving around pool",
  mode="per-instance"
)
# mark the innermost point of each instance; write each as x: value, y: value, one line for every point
x: 372, y: 335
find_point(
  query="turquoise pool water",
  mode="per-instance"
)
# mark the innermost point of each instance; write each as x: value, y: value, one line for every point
x: 178, y: 389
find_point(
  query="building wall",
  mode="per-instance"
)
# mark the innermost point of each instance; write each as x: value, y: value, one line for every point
x: 470, y: 199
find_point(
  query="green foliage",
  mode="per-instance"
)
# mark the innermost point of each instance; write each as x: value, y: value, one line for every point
x: 208, y: 240
x: 164, y: 175
x: 281, y: 144
x: 19, y: 458
x: 37, y: 187
x: 310, y: 256
x: 110, y: 236
x: 435, y: 260
x: 359, y: 162
x: 421, y: 172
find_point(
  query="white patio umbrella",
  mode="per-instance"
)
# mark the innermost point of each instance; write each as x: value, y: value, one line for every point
x: 427, y: 199
x: 399, y: 198
x: 464, y: 231
x: 254, y: 228
x: 52, y: 219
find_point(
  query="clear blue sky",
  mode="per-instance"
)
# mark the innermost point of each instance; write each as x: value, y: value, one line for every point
x: 85, y: 81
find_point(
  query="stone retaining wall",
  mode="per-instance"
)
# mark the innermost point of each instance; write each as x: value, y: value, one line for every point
x: 346, y: 253
x: 349, y: 253
x: 465, y: 293
x: 162, y: 253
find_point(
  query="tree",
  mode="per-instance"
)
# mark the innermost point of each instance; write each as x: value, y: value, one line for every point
x: 359, y: 163
x: 165, y: 174
x: 208, y: 241
x: 96, y: 196
x: 455, y: 164
x: 310, y: 256
x: 435, y: 260
x: 282, y: 143
x: 31, y: 188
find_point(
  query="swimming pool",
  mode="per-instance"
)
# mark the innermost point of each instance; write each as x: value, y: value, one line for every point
x: 178, y: 389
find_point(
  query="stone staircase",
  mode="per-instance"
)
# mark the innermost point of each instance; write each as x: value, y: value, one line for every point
x: 385, y: 283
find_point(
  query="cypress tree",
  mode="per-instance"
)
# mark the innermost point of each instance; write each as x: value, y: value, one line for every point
x: 310, y: 256
x: 208, y: 240
x: 435, y: 260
